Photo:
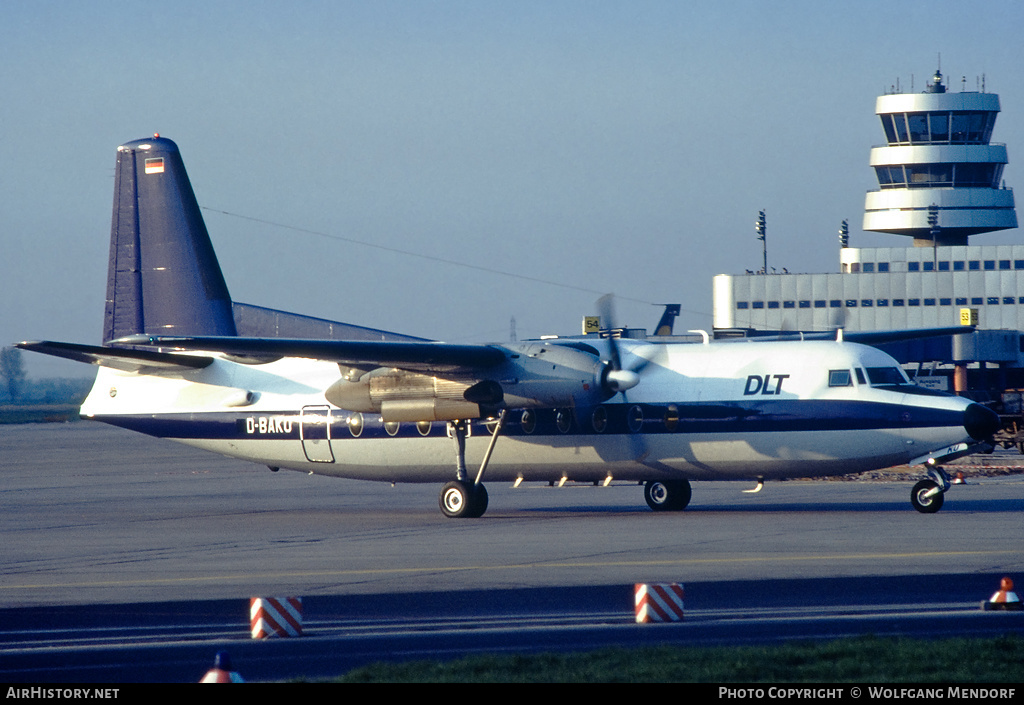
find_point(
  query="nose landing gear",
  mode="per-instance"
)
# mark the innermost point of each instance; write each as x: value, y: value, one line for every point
x: 928, y: 495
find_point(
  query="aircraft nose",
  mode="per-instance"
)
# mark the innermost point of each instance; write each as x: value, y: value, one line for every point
x: 980, y: 422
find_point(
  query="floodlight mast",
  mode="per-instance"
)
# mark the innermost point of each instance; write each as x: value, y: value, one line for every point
x: 760, y: 226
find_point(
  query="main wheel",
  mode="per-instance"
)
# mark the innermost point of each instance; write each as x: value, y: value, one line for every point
x: 479, y: 501
x: 924, y: 503
x: 667, y: 495
x: 460, y: 499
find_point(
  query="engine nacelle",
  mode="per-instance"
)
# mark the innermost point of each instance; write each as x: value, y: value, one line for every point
x: 536, y: 375
x: 398, y: 395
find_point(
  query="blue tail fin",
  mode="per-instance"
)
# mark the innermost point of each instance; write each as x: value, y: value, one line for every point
x: 163, y: 276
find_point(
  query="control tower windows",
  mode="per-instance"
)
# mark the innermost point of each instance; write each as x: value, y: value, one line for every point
x: 980, y: 127
x: 966, y: 175
x: 960, y: 123
x: 897, y: 129
x: 942, y: 127
x: 918, y: 126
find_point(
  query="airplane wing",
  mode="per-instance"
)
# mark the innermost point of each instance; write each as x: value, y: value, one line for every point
x: 144, y: 361
x: 431, y: 357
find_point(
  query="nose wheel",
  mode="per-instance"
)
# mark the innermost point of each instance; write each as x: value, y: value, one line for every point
x: 928, y: 495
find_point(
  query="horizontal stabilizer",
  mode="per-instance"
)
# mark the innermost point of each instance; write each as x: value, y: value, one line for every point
x: 413, y: 356
x: 119, y: 359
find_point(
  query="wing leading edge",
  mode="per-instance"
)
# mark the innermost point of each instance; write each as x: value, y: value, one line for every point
x: 433, y: 357
x: 142, y: 361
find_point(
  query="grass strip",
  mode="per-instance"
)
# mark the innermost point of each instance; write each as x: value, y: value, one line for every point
x: 861, y: 659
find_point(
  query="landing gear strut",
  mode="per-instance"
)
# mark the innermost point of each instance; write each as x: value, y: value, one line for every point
x: 463, y: 498
x: 667, y: 495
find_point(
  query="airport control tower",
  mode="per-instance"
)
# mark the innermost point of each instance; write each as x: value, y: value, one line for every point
x: 940, y: 182
x: 938, y: 173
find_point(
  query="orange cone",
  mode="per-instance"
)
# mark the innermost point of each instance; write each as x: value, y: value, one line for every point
x: 1004, y: 598
x: 221, y: 671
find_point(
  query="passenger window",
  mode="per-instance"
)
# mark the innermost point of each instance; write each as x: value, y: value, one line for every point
x: 839, y: 378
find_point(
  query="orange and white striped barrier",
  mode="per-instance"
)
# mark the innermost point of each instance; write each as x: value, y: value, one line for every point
x: 659, y: 602
x: 275, y: 616
x: 1004, y: 598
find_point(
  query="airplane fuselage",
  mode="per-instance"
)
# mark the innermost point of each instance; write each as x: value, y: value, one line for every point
x: 705, y: 411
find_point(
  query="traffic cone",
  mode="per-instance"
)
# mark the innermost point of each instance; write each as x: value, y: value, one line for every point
x: 221, y: 671
x: 1004, y: 598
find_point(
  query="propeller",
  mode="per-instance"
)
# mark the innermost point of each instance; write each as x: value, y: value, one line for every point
x: 615, y: 378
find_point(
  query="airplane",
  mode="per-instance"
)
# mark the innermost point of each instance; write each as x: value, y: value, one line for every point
x: 180, y: 360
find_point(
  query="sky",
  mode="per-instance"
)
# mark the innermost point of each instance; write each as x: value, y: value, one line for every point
x: 440, y: 168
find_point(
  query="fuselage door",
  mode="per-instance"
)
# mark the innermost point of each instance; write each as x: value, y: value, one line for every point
x: 316, y: 434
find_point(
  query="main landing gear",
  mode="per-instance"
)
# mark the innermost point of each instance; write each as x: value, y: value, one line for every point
x: 463, y: 498
x: 667, y: 495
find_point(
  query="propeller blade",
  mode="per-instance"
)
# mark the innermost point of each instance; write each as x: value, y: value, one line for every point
x: 617, y: 380
x: 606, y: 309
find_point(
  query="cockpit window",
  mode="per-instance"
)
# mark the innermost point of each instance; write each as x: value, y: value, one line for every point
x: 839, y: 378
x: 886, y: 376
x: 860, y: 375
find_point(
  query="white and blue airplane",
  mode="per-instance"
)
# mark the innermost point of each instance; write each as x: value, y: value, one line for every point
x: 181, y: 360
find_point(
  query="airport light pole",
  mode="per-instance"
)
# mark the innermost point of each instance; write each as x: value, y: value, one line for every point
x: 760, y: 227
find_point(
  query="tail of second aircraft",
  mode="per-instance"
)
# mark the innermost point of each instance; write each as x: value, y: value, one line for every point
x: 163, y: 276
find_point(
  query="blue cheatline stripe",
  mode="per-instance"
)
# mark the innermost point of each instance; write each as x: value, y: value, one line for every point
x: 613, y: 419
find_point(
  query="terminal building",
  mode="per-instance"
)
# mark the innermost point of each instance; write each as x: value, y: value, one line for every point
x: 940, y: 183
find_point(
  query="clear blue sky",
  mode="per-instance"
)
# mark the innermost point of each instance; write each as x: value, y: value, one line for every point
x: 612, y: 146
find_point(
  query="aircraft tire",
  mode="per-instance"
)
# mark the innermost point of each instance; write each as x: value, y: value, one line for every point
x: 480, y: 500
x: 463, y: 500
x: 667, y: 495
x: 926, y: 505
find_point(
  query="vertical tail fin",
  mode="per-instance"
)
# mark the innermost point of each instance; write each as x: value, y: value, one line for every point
x: 163, y: 276
x: 668, y: 319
